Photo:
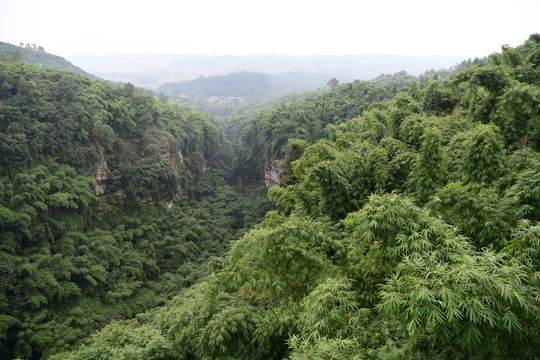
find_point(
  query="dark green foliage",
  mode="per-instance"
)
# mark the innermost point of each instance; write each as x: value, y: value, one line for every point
x: 429, y: 171
x: 483, y: 155
x: 491, y: 78
x: 72, y: 120
x: 438, y: 100
x: 406, y: 227
x: 123, y: 341
x: 151, y: 178
x: 334, y: 190
x: 519, y: 115
x: 73, y: 261
x: 294, y: 149
x: 478, y: 212
x: 267, y: 135
x: 506, y: 93
x: 525, y: 193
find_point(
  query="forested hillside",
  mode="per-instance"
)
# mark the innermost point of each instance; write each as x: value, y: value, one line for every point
x: 88, y: 173
x: 406, y: 222
x: 409, y: 232
x: 246, y: 85
x: 36, y: 55
x: 266, y: 137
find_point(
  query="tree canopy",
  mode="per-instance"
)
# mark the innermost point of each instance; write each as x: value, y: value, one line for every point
x: 406, y: 224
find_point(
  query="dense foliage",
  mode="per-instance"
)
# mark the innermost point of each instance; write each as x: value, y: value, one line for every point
x: 411, y: 232
x: 406, y: 226
x: 72, y: 261
x: 265, y: 137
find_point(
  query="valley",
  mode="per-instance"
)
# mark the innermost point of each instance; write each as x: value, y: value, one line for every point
x: 289, y: 217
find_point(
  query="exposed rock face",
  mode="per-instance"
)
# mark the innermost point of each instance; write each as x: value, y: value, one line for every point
x: 271, y: 173
x: 170, y: 202
x: 101, y: 177
x: 180, y: 157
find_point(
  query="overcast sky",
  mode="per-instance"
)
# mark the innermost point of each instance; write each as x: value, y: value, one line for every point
x: 292, y: 27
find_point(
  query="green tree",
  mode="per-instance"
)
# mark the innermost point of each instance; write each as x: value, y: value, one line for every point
x: 429, y: 172
x: 483, y: 157
x: 333, y: 83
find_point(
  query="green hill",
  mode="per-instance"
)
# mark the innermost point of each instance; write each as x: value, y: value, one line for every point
x: 110, y: 202
x: 408, y: 229
x: 247, y: 85
x: 406, y: 220
x: 38, y: 57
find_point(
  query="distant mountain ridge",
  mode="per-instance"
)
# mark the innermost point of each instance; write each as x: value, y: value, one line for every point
x: 153, y: 70
x: 246, y: 85
x: 39, y: 58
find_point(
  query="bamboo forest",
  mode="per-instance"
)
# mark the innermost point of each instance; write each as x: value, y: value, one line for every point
x: 393, y: 218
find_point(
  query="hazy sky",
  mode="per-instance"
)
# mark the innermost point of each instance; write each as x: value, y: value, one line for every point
x: 292, y: 27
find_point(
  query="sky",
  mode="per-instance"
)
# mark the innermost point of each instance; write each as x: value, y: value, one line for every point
x: 285, y: 27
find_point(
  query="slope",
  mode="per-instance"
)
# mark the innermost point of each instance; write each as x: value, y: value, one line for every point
x: 245, y: 85
x: 110, y: 202
x: 38, y: 57
x: 410, y: 232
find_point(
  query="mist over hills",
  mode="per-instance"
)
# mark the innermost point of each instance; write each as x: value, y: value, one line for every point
x: 152, y: 70
x: 245, y: 85
x: 232, y: 78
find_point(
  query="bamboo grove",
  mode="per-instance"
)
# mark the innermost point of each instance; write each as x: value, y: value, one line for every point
x: 406, y: 224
